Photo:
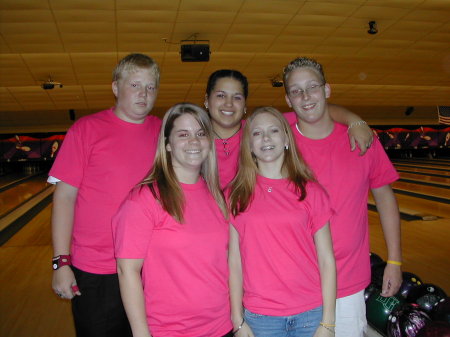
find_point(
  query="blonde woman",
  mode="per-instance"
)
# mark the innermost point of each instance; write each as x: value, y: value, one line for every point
x: 171, y: 236
x: 281, y: 257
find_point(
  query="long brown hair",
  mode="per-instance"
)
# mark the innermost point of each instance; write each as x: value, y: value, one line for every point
x: 162, y: 180
x: 294, y: 167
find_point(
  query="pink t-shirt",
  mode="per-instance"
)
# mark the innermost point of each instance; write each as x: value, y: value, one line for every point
x: 104, y: 157
x: 348, y: 177
x: 276, y: 233
x: 185, y: 270
x: 228, y: 157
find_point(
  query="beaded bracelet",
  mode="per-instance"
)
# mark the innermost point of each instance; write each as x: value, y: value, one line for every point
x: 328, y: 326
x: 361, y: 122
x: 239, y: 327
x: 397, y: 263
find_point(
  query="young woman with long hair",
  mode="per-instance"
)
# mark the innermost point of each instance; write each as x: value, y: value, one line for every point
x: 282, y: 267
x: 171, y: 236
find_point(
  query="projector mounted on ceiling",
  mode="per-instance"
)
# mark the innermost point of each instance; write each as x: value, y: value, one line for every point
x: 276, y: 81
x: 193, y: 51
x: 50, y: 84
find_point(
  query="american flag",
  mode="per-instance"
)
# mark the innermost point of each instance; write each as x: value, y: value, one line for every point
x: 444, y: 114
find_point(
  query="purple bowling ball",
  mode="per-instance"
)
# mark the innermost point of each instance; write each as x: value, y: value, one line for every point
x: 435, y: 329
x: 407, y: 321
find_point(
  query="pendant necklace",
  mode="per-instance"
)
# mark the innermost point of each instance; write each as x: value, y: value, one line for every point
x: 225, y: 141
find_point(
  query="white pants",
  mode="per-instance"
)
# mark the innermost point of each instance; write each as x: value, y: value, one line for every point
x: 351, y: 316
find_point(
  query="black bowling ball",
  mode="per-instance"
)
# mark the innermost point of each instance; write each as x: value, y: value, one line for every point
x: 410, y: 281
x: 426, y: 296
x: 375, y: 259
x: 441, y: 310
x: 435, y: 329
x: 377, y: 274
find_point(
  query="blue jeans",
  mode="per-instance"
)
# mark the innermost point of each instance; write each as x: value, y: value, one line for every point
x: 301, y: 325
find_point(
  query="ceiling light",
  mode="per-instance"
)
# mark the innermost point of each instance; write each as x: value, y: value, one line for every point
x: 372, y: 28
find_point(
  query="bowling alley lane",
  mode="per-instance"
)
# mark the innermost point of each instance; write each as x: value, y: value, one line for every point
x: 28, y: 306
x: 442, y: 192
x: 424, y: 169
x: 17, y: 195
x: 422, y: 177
x: 11, y: 178
x: 424, y: 246
x: 417, y: 206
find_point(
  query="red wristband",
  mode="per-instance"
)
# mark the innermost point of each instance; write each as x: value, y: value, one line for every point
x: 61, y: 260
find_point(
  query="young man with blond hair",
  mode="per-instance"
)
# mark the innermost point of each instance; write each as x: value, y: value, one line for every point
x: 102, y: 157
x: 348, y: 178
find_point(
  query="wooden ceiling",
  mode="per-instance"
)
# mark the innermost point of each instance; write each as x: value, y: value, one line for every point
x: 78, y: 43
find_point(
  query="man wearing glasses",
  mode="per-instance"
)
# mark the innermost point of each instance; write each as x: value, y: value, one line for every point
x: 347, y: 177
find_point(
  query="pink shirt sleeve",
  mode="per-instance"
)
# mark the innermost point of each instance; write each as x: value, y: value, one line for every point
x: 319, y: 206
x: 134, y: 223
x: 382, y: 171
x: 71, y: 161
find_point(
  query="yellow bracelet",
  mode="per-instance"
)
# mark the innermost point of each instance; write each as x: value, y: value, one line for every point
x: 327, y: 325
x: 397, y: 263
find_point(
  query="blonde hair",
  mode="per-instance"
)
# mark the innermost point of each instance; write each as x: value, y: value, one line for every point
x: 162, y: 179
x: 303, y: 62
x: 294, y: 167
x: 134, y: 62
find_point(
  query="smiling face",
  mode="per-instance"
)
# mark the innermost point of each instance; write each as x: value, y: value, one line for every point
x: 188, y: 145
x: 226, y: 105
x: 267, y: 140
x: 136, y: 93
x: 307, y: 95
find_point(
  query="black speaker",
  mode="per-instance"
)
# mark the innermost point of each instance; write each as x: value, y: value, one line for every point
x: 194, y: 52
x: 409, y: 110
x: 72, y: 114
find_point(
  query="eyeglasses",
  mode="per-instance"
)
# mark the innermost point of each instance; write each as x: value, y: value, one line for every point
x: 311, y: 90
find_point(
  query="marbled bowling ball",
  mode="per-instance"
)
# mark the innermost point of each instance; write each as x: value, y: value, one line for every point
x: 406, y: 321
x: 426, y: 296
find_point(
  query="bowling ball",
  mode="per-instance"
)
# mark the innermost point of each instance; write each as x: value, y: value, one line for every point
x: 406, y: 321
x: 426, y: 296
x: 410, y: 281
x: 377, y: 274
x: 375, y: 259
x: 378, y: 309
x: 371, y: 288
x: 441, y: 310
x: 435, y: 329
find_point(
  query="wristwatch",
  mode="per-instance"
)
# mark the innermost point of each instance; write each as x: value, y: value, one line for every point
x: 61, y: 260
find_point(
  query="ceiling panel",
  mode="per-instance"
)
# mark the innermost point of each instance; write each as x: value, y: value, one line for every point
x: 79, y: 42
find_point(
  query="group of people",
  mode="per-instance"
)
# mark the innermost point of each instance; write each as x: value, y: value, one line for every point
x: 209, y: 225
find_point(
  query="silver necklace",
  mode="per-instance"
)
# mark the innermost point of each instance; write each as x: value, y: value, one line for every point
x: 225, y: 141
